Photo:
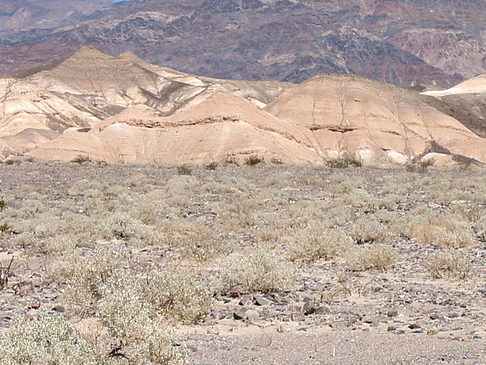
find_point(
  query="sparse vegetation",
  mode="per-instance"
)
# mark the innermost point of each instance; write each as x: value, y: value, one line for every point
x: 260, y: 271
x: 419, y: 165
x: 184, y: 169
x: 212, y: 166
x: 379, y: 258
x: 449, y: 264
x: 81, y: 159
x: 132, y: 252
x: 254, y: 160
x: 342, y: 163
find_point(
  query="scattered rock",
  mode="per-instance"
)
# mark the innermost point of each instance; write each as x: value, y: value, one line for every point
x: 59, y: 309
x: 246, y: 300
x: 297, y: 317
x: 261, y: 301
x: 414, y: 326
x: 239, y: 316
x: 314, y: 308
x: 252, y: 315
x: 392, y: 313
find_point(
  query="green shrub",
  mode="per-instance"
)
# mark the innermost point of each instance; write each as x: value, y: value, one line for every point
x: 212, y: 166
x: 345, y: 162
x: 184, y: 170
x: 81, y: 159
x: 419, y: 166
x: 3, y: 204
x: 254, y: 160
x: 4, y: 227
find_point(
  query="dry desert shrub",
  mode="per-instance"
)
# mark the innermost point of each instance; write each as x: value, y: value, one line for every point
x: 449, y: 264
x: 48, y: 339
x: 314, y: 243
x: 94, y: 276
x: 261, y: 271
x: 368, y: 229
x: 199, y: 241
x: 443, y: 230
x: 379, y: 258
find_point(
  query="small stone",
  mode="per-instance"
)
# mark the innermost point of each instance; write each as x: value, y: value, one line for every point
x: 252, y: 315
x: 391, y: 328
x: 392, y: 313
x: 432, y: 332
x: 297, y: 317
x: 322, y: 310
x: 453, y: 315
x: 246, y: 300
x: 281, y: 328
x: 313, y: 308
x: 239, y: 316
x: 59, y: 309
x: 414, y: 326
x: 261, y: 301
x: 340, y: 325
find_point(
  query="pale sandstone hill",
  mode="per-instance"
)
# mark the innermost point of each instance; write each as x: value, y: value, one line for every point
x: 475, y: 85
x: 465, y: 102
x: 90, y: 86
x: 122, y: 109
x: 222, y: 126
x: 373, y: 122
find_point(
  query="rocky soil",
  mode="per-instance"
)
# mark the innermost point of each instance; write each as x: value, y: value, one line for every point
x: 333, y: 313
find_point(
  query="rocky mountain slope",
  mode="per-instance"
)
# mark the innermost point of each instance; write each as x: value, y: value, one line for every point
x: 400, y: 42
x: 122, y: 109
x: 21, y: 15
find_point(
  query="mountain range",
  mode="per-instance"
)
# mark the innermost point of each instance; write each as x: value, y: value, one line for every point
x: 402, y: 42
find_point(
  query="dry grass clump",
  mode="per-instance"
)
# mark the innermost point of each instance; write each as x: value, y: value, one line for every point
x: 443, y: 230
x: 314, y: 243
x: 449, y: 264
x: 379, y: 258
x: 199, y: 242
x: 261, y: 271
x: 368, y: 229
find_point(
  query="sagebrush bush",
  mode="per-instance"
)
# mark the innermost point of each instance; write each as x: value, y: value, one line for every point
x: 46, y: 340
x: 314, y: 243
x: 376, y: 257
x: 261, y: 271
x: 449, y: 264
x: 443, y: 230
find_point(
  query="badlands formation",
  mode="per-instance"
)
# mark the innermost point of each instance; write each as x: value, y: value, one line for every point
x: 124, y: 110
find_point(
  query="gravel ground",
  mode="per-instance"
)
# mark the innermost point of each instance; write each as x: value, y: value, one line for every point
x: 333, y: 348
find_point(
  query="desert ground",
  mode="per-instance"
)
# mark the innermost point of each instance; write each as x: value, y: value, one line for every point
x: 252, y: 263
